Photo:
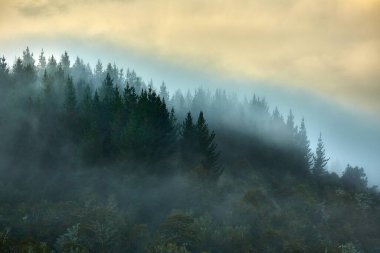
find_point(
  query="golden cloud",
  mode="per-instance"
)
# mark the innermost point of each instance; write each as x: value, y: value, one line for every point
x: 331, y: 46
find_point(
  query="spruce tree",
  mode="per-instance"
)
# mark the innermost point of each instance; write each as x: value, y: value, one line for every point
x: 290, y: 125
x: 51, y: 66
x: 27, y: 58
x: 47, y: 84
x: 70, y: 109
x: 65, y: 61
x: 188, y: 140
x: 4, y: 71
x: 18, y: 69
x: 207, y: 148
x: 42, y: 61
x: 303, y: 147
x: 70, y: 102
x: 320, y: 160
x: 164, y: 94
x: 98, y: 72
x: 108, y: 90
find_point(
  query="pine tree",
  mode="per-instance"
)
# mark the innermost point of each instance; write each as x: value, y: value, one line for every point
x: 70, y: 107
x: 277, y: 117
x: 303, y: 146
x: 198, y: 148
x: 130, y: 100
x: 18, y: 69
x: 4, y: 71
x: 173, y: 119
x: 59, y: 74
x: 46, y: 84
x: 51, y: 66
x: 107, y: 90
x: 320, y: 159
x: 23, y: 74
x: 188, y: 142
x: 70, y: 102
x: 65, y: 61
x: 164, y: 94
x: 86, y: 108
x: 27, y: 58
x: 207, y: 148
x: 290, y: 125
x: 42, y: 61
x: 98, y: 70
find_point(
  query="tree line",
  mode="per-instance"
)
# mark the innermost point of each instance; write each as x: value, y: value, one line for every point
x: 97, y: 160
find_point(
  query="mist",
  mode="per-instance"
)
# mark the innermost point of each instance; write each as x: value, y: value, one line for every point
x: 357, y: 142
x: 100, y: 158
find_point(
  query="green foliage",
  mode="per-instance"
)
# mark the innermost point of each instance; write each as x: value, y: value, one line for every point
x: 178, y: 229
x: 348, y: 248
x: 169, y: 248
x: 303, y: 145
x: 199, y: 149
x: 30, y: 245
x: 72, y: 137
x: 6, y: 244
x: 69, y: 242
x: 354, y: 179
x: 320, y: 160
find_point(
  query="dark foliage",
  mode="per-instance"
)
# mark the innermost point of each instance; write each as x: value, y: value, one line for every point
x: 96, y: 161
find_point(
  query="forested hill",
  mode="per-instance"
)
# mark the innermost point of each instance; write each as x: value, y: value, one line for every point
x: 97, y: 160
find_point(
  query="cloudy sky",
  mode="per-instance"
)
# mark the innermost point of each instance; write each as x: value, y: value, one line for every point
x: 326, y: 48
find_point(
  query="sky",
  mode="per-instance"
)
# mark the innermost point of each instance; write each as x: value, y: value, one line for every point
x: 321, y: 58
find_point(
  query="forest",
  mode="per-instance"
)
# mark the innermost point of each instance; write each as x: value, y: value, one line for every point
x: 100, y: 160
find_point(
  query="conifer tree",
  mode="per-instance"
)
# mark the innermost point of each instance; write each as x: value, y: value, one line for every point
x: 188, y: 142
x: 290, y: 125
x: 23, y: 74
x: 303, y: 146
x: 107, y: 90
x: 98, y: 72
x: 18, y: 68
x: 130, y: 100
x: 51, y: 65
x: 27, y: 58
x: 207, y: 148
x: 86, y: 113
x: 70, y: 107
x: 277, y: 117
x: 4, y: 71
x: 320, y: 160
x: 46, y: 84
x: 164, y: 94
x: 65, y: 62
x: 42, y: 61
x: 70, y: 102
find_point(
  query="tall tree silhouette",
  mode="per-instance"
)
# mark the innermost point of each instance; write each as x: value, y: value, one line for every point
x: 188, y: 141
x: 319, y: 159
x: 51, y: 66
x: 198, y: 148
x: 4, y: 72
x: 65, y: 61
x: 27, y: 58
x: 207, y: 148
x: 164, y: 94
x: 304, y: 151
x: 290, y: 125
x: 42, y: 61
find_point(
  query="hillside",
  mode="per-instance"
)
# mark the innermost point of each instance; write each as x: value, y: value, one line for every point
x: 98, y: 160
